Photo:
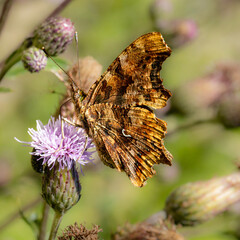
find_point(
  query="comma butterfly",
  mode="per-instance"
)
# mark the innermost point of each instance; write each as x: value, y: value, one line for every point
x: 116, y: 111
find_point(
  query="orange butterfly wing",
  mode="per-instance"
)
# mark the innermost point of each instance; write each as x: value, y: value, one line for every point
x: 134, y: 76
x: 127, y: 134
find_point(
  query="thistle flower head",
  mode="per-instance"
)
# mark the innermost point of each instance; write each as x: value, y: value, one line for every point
x: 59, y: 143
x: 54, y: 35
x: 34, y: 59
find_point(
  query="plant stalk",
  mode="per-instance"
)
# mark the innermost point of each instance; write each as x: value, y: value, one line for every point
x: 55, y: 225
x: 43, y: 226
x: 5, y: 11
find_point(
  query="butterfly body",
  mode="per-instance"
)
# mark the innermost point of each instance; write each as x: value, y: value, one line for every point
x: 116, y: 111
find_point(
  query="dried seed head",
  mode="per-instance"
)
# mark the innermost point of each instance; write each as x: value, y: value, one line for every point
x: 80, y: 232
x: 144, y: 231
x: 86, y: 72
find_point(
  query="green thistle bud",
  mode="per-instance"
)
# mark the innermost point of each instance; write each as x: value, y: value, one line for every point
x: 194, y: 203
x: 34, y: 59
x: 54, y: 35
x: 61, y: 188
x: 229, y: 110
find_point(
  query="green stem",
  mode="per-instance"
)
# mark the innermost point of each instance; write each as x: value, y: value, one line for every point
x: 43, y: 226
x: 8, y: 64
x: 5, y: 11
x: 14, y: 57
x: 56, y: 222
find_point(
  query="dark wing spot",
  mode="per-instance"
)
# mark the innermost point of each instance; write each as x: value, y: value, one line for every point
x: 136, y: 163
x: 156, y: 65
x: 104, y: 84
x: 107, y: 92
x: 147, y: 97
x: 146, y: 107
x: 147, y: 58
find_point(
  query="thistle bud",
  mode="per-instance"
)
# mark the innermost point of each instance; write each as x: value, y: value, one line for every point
x: 194, y: 203
x: 54, y: 35
x: 61, y: 187
x: 34, y: 59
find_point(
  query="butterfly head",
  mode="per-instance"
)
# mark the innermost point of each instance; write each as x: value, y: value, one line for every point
x: 77, y: 94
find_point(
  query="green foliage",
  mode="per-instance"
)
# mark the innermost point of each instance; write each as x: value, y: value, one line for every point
x: 4, y: 90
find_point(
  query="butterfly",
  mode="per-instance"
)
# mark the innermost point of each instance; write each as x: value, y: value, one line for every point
x: 116, y: 112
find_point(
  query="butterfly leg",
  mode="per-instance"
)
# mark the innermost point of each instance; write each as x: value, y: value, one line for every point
x: 85, y: 146
x: 63, y: 136
x: 70, y: 122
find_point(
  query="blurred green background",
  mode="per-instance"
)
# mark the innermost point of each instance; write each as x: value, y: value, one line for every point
x: 105, y: 28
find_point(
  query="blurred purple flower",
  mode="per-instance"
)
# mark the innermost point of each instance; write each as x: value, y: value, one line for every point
x: 178, y: 32
x: 52, y: 147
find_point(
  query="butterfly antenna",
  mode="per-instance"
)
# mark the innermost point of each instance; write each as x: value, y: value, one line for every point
x: 74, y: 85
x: 77, y: 47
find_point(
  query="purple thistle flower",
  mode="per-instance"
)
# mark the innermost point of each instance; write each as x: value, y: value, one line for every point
x: 52, y: 147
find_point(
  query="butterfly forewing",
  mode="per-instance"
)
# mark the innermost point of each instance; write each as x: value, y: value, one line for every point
x: 134, y: 77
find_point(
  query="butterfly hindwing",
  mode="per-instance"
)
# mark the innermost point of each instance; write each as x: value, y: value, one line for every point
x: 129, y: 139
x: 134, y: 77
